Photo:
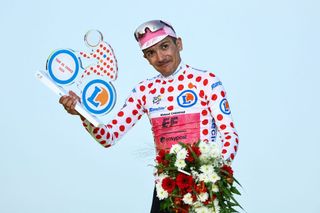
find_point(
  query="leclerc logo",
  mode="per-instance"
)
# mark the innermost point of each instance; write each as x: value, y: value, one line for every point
x: 187, y: 98
x: 224, y: 106
x: 98, y: 97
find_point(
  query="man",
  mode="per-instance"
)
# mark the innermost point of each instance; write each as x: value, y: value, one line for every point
x: 183, y: 104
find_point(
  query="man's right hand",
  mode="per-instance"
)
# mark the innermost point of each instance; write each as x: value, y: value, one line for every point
x: 69, y: 102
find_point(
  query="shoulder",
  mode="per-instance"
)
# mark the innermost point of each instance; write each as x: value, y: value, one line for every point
x: 203, y: 75
x: 143, y: 85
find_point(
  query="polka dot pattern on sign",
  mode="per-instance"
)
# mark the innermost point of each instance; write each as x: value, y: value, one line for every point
x: 106, y: 63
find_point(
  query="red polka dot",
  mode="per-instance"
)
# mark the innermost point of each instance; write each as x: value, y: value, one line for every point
x: 122, y: 128
x: 204, y: 112
x: 98, y: 136
x: 150, y: 85
x: 164, y: 82
x: 128, y: 120
x: 205, y: 132
x: 116, y: 134
x: 158, y: 81
x: 108, y: 135
x: 226, y: 144
x: 201, y: 93
x: 142, y: 88
x: 203, y: 103
x: 180, y: 87
x: 120, y: 114
x: 130, y: 99
x: 214, y: 97
x: 205, y: 122
x: 170, y: 89
x: 108, y: 145
x: 223, y: 93
x: 235, y: 148
x: 162, y: 90
x: 170, y: 108
x: 138, y: 106
x: 220, y: 117
x: 212, y: 75
x: 103, y: 142
x: 237, y: 140
x: 153, y: 91
x: 134, y: 112
x: 232, y: 156
x: 198, y: 79
x: 228, y: 137
x: 114, y: 122
x: 95, y: 130
x: 190, y: 76
x: 205, y: 82
x: 180, y: 78
x: 223, y: 126
x: 231, y: 124
x: 102, y: 131
x: 170, y: 98
x: 224, y: 151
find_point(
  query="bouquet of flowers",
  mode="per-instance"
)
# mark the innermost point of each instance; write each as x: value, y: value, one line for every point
x: 195, y: 178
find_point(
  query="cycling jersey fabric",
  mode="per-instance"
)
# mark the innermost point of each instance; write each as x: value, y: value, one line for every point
x: 187, y: 106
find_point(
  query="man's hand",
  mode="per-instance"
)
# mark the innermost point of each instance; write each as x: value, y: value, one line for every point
x: 69, y: 102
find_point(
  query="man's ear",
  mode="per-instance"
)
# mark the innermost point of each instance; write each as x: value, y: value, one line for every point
x: 179, y: 44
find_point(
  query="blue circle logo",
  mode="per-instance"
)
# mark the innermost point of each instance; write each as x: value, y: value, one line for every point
x: 224, y: 106
x: 187, y: 98
x: 63, y: 66
x: 99, y: 97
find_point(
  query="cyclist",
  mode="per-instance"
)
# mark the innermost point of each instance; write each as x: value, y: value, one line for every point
x: 183, y: 104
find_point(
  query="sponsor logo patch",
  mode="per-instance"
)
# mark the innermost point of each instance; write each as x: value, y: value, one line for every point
x: 214, y: 85
x: 98, y: 96
x: 187, y: 98
x: 224, y: 106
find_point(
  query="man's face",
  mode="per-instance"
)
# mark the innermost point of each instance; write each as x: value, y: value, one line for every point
x: 164, y: 56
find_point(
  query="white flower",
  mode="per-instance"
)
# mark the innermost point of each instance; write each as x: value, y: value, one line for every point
x: 195, y: 174
x: 216, y: 206
x: 203, y: 196
x: 187, y: 199
x: 203, y: 209
x: 214, y: 188
x: 203, y: 177
x: 180, y: 164
x: 207, y: 169
x: 214, y: 150
x: 161, y: 193
x: 204, y: 147
x: 175, y: 148
x: 182, y: 154
x: 214, y: 177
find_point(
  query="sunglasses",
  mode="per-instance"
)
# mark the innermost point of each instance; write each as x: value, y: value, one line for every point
x: 153, y: 26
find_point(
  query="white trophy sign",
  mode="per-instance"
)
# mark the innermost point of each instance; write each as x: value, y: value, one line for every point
x: 65, y: 71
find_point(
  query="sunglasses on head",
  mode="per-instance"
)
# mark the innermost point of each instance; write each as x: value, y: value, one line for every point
x: 153, y: 26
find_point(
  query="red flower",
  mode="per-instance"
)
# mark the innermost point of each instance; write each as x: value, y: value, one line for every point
x: 227, y: 169
x: 184, y: 181
x: 168, y: 184
x: 161, y: 157
x: 195, y: 150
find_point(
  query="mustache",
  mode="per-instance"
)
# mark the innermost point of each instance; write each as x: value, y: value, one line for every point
x: 162, y: 62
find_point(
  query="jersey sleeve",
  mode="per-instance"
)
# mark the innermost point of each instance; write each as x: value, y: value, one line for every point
x: 220, y: 111
x: 125, y: 119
